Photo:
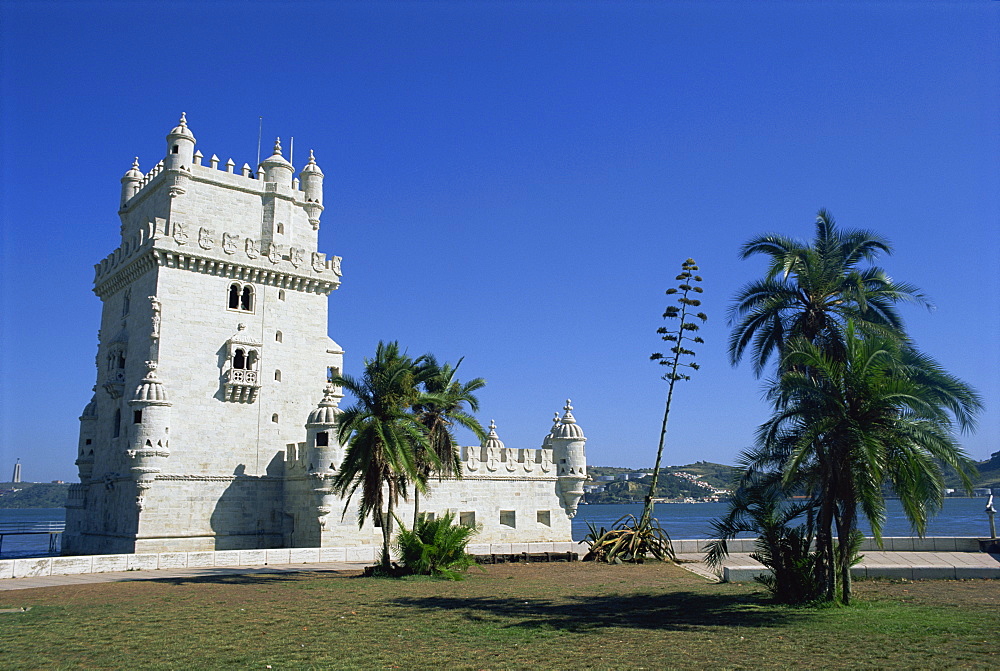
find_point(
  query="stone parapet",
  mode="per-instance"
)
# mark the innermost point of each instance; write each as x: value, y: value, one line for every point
x: 49, y: 566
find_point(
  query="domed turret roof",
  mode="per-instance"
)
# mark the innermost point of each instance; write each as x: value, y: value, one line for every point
x: 326, y: 412
x: 568, y: 428
x: 90, y: 410
x: 276, y: 159
x: 134, y: 172
x: 311, y: 167
x: 181, y: 129
x: 493, y: 440
x: 151, y: 390
x: 547, y: 441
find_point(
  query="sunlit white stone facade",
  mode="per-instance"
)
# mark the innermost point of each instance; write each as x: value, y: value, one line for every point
x: 212, y: 426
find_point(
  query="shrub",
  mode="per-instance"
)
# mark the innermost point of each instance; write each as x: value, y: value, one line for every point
x: 436, y: 547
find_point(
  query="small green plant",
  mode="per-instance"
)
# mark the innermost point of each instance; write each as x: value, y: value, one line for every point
x: 628, y: 540
x: 436, y: 547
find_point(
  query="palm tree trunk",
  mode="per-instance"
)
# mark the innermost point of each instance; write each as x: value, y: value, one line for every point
x: 846, y: 521
x: 824, y: 543
x: 387, y: 535
x: 416, y: 506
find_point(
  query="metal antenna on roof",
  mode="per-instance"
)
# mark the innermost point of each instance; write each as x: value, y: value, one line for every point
x: 260, y: 128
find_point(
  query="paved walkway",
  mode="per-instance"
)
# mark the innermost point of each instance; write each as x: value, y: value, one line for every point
x: 739, y: 567
x: 173, y: 574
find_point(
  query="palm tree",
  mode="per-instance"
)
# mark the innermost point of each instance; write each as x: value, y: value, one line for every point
x: 810, y: 290
x: 440, y: 408
x: 382, y: 437
x: 878, y: 413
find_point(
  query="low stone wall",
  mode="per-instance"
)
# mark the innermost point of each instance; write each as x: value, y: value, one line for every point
x: 48, y: 566
x: 889, y: 544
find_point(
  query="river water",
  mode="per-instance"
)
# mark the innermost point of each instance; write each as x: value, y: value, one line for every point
x: 958, y: 517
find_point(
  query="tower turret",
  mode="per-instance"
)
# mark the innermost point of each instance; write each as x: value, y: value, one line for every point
x: 88, y: 434
x: 571, y: 461
x: 276, y: 168
x: 149, y: 441
x: 180, y: 146
x: 325, y: 453
x: 311, y: 179
x: 131, y: 182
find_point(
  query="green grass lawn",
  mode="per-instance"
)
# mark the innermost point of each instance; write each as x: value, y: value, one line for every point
x: 548, y: 616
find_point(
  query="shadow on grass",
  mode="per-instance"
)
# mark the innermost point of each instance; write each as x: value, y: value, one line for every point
x: 256, y: 577
x: 663, y: 611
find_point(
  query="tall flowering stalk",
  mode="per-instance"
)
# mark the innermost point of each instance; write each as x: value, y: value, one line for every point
x: 679, y: 357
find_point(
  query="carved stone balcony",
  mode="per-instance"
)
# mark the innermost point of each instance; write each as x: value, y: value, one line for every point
x: 115, y: 384
x: 241, y: 385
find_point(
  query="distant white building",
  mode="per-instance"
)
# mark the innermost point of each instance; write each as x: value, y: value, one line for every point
x: 212, y: 426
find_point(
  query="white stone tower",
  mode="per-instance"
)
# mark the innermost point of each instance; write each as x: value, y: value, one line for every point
x: 212, y: 353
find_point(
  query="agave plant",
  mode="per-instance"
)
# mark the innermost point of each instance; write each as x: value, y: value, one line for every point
x: 629, y: 540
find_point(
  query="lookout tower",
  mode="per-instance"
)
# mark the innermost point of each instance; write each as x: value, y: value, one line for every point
x: 212, y: 352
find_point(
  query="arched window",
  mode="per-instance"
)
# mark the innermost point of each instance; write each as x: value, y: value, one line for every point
x: 126, y: 303
x: 246, y: 299
x: 274, y: 418
x: 241, y: 297
x: 117, y: 429
x: 240, y: 360
x: 281, y: 228
x: 251, y: 360
x: 277, y: 376
x: 281, y: 294
x: 277, y: 336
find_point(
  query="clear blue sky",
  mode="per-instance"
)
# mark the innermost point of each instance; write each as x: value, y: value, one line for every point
x: 515, y: 183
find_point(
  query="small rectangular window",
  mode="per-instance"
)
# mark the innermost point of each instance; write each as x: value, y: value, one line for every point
x: 322, y: 439
x: 507, y: 518
x: 544, y: 517
x: 137, y: 417
x: 467, y: 519
x: 89, y: 441
x: 427, y: 517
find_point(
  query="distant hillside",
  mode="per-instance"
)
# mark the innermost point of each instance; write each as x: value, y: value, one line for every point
x: 33, y: 494
x: 704, y: 478
x: 989, y: 474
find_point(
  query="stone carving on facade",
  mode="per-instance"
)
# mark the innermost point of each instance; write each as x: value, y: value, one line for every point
x: 275, y: 253
x: 493, y: 446
x: 180, y: 234
x: 335, y: 265
x: 297, y: 256
x: 206, y: 238
x: 546, y: 463
x: 230, y: 243
x: 155, y: 304
x: 252, y: 248
x: 473, y: 458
